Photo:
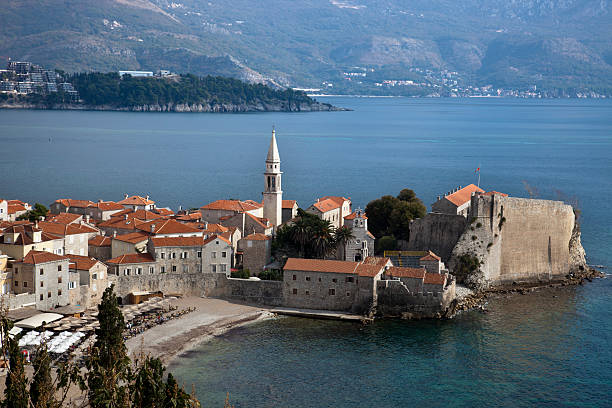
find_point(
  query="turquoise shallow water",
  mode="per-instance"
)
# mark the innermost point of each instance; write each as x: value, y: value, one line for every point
x: 529, y: 350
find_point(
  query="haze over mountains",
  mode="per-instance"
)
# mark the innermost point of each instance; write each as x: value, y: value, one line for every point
x: 506, y: 43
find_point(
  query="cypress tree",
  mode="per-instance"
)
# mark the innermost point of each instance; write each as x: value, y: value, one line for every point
x: 148, y: 388
x: 15, y: 393
x: 108, y: 362
x: 42, y: 391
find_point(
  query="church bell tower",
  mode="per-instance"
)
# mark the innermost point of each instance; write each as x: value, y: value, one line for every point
x: 273, y: 193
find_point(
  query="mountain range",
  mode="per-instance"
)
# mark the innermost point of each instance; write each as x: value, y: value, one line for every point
x: 313, y: 43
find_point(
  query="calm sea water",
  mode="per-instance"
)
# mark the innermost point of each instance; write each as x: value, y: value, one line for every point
x: 549, y: 350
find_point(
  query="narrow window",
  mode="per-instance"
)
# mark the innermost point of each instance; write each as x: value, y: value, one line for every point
x: 214, y: 255
x: 163, y: 269
x: 294, y: 277
x: 42, y: 284
x: 319, y: 279
x: 59, y: 279
x: 59, y: 268
x: 42, y: 296
x: 41, y: 271
x: 48, y: 294
x: 59, y: 292
x: 173, y: 268
x: 224, y: 254
x: 308, y: 278
x: 348, y: 293
x: 199, y: 254
x: 214, y: 268
x: 332, y: 292
x: 17, y: 283
x: 334, y: 280
x: 295, y: 291
x: 308, y: 292
x: 25, y: 284
x: 163, y: 255
x: 93, y: 277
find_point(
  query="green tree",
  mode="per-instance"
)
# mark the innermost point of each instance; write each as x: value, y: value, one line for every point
x: 35, y: 214
x: 390, y: 215
x: 15, y: 393
x: 42, y: 389
x: 342, y: 236
x: 108, y: 362
x: 148, y: 389
x: 386, y: 243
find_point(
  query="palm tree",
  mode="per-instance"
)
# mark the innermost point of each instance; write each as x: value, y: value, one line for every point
x: 343, y: 236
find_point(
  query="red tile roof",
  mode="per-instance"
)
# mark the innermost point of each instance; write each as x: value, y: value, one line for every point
x: 430, y: 257
x: 25, y: 234
x: 167, y: 226
x: 375, y: 260
x: 320, y: 265
x: 464, y: 195
x: 58, y: 228
x: 68, y: 202
x: 257, y: 237
x: 354, y: 215
x: 121, y: 223
x: 196, y: 216
x: 369, y: 270
x: 325, y: 205
x: 131, y: 259
x: 489, y: 193
x: 260, y: 221
x: 178, y: 241
x: 38, y: 257
x: 214, y: 238
x: 14, y: 208
x: 163, y: 211
x: 142, y: 215
x: 217, y: 228
x: 399, y: 272
x: 108, y: 206
x: 100, y: 241
x: 289, y: 203
x: 136, y: 200
x: 435, y: 278
x: 64, y: 218
x: 83, y: 263
x: 233, y: 205
x: 132, y: 237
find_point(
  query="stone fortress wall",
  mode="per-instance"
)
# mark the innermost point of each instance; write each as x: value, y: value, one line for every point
x: 435, y: 232
x: 395, y: 299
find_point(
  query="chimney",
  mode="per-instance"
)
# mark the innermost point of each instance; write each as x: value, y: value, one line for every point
x: 125, y: 196
x: 103, y: 233
x: 152, y: 228
x: 87, y: 219
x: 438, y: 198
x: 147, y: 197
x: 36, y: 224
x: 100, y: 200
x: 115, y: 234
x: 125, y: 216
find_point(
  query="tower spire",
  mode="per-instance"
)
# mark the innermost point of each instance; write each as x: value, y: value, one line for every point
x: 273, y: 193
x: 273, y: 155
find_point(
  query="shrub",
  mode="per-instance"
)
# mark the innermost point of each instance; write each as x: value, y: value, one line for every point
x: 271, y: 274
x: 241, y: 274
x: 478, y: 225
x: 474, y: 237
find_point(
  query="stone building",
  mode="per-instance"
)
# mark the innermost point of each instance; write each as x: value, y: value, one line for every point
x: 132, y: 243
x: 45, y: 275
x: 248, y: 224
x: 216, y: 210
x: 169, y: 228
x: 256, y: 252
x: 177, y: 254
x: 456, y: 202
x: 101, y: 210
x: 76, y: 236
x: 100, y: 247
x: 132, y: 265
x: 290, y: 208
x: 273, y: 193
x: 16, y: 208
x: 217, y: 255
x: 17, y: 241
x: 362, y: 245
x: 3, y: 210
x: 93, y: 280
x: 332, y: 209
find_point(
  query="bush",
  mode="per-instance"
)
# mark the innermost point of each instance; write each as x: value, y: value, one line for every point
x: 241, y: 274
x: 478, y: 225
x: 386, y: 243
x: 271, y: 274
x: 468, y: 264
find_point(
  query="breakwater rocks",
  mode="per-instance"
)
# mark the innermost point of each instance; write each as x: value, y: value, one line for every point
x: 195, y: 108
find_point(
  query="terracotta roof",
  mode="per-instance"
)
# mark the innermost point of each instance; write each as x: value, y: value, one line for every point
x: 375, y: 260
x: 129, y: 224
x: 132, y: 237
x: 58, y: 228
x: 464, y: 195
x: 339, y: 200
x: 167, y: 226
x: 260, y: 221
x: 14, y: 208
x: 163, y: 211
x: 8, y: 224
x: 142, y: 215
x: 177, y: 241
x: 83, y: 263
x: 136, y: 200
x: 435, y: 278
x: 108, y: 206
x: 354, y: 215
x: 196, y: 216
x: 325, y: 205
x: 490, y: 193
x: 100, y: 241
x: 17, y: 202
x: 25, y: 234
x: 257, y: 237
x: 233, y: 205
x: 216, y: 228
x: 214, y: 238
x: 131, y: 259
x: 370, y: 235
x: 430, y: 257
x: 38, y: 257
x: 68, y: 202
x: 289, y: 203
x: 64, y: 218
x: 320, y: 265
x: 399, y: 272
x: 369, y: 270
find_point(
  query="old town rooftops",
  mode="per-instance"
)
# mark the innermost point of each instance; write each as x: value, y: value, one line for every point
x: 100, y: 241
x: 178, y: 241
x: 131, y: 259
x: 233, y: 205
x: 215, y: 238
x: 402, y: 272
x: 320, y: 265
x: 490, y: 193
x: 68, y: 202
x: 82, y: 263
x: 58, y: 228
x: 435, y: 278
x: 430, y: 257
x: 463, y: 195
x: 289, y: 203
x: 356, y: 214
x: 257, y: 237
x: 142, y: 215
x: 136, y: 200
x: 133, y: 237
x: 38, y: 257
x: 64, y: 218
x: 167, y: 226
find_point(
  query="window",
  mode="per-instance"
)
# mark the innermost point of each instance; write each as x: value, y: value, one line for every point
x: 42, y: 284
x: 223, y: 254
x: 163, y: 255
x: 174, y: 255
x: 72, y: 285
x: 214, y: 268
x: 16, y: 271
x: 332, y: 292
x: 59, y: 279
x: 59, y: 292
x: 93, y: 277
x: 334, y: 280
x: 151, y: 270
x: 42, y: 297
x: 295, y: 291
x: 16, y: 283
x: 307, y: 292
x: 185, y: 268
x: 350, y: 279
x: 223, y: 268
x: 308, y: 279
x: 163, y: 269
x: 213, y: 255
x: 199, y: 268
x: 138, y: 271
x: 48, y: 294
x: 173, y: 268
x: 199, y: 254
x: 348, y: 293
x: 25, y: 284
x: 41, y: 271
x: 126, y: 272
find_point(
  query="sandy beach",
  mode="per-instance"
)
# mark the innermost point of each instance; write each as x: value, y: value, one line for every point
x: 211, y: 317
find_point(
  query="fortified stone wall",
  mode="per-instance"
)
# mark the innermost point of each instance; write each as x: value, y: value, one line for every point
x: 517, y: 240
x: 436, y: 232
x: 394, y: 299
x: 202, y: 284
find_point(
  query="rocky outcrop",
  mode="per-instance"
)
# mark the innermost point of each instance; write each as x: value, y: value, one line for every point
x: 218, y: 108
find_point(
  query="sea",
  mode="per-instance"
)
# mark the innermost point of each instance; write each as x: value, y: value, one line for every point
x: 548, y: 349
